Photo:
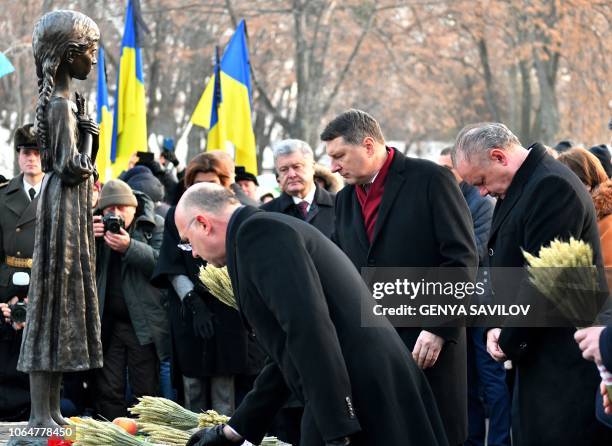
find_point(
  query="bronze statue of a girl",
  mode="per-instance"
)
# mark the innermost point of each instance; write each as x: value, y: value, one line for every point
x: 62, y: 332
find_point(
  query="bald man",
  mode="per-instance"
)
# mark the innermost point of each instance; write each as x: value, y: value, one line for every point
x: 357, y: 384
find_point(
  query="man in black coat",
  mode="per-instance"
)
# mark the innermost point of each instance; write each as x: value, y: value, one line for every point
x: 301, y: 197
x: 539, y: 200
x: 404, y: 212
x: 357, y: 384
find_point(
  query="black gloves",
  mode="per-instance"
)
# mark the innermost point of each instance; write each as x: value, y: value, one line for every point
x: 211, y: 436
x: 202, y: 317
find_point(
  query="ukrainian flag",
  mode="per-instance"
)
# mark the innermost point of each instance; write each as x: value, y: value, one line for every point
x: 225, y: 106
x: 130, y: 119
x: 105, y: 121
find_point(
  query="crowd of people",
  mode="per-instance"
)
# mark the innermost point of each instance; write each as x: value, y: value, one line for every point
x: 295, y: 360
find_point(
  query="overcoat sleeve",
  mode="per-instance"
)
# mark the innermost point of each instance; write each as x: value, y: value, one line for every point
x: 270, y: 392
x: 277, y: 260
x: 556, y: 211
x: 454, y: 233
x: 144, y: 255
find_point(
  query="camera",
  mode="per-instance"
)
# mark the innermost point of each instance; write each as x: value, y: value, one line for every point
x: 113, y: 223
x: 21, y: 284
x: 19, y: 311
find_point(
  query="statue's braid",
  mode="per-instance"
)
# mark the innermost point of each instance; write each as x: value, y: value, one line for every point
x: 45, y: 90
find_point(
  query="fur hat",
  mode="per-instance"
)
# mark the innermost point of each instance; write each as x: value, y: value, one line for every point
x: 25, y: 138
x: 332, y: 183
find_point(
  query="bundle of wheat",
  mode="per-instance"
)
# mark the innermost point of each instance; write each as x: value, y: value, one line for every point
x: 161, y: 411
x: 218, y: 282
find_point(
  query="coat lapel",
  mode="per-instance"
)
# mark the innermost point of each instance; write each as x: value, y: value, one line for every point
x: 357, y: 223
x: 16, y: 199
x: 286, y: 204
x: 321, y: 198
x: 503, y: 207
x: 393, y: 184
x: 29, y: 213
x: 312, y: 213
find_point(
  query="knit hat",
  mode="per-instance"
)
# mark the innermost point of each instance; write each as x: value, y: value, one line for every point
x: 147, y: 183
x: 116, y: 192
x: 136, y: 170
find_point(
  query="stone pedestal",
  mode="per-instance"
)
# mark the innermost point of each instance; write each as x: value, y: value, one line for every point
x: 28, y: 441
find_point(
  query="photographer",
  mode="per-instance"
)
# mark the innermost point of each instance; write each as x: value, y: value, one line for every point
x: 134, y: 321
x: 18, y: 201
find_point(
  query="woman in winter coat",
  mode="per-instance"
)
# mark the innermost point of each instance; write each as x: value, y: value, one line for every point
x: 592, y: 174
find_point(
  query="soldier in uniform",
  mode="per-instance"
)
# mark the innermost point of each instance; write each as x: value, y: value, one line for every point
x: 18, y: 200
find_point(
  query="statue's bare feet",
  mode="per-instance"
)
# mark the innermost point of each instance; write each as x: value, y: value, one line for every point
x: 47, y: 423
x: 59, y: 419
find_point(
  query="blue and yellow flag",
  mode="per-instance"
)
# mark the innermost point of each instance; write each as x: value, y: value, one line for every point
x: 105, y: 121
x: 130, y: 117
x: 225, y: 106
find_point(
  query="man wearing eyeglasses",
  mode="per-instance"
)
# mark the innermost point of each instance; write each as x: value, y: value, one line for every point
x: 134, y: 322
x: 357, y: 385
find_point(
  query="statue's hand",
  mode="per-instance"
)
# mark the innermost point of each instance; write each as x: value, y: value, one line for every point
x: 88, y: 125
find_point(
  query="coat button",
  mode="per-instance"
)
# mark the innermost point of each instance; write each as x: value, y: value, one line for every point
x: 491, y: 252
x: 18, y: 253
x: 18, y: 230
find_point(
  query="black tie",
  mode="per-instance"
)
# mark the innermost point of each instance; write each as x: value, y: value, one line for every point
x: 32, y: 193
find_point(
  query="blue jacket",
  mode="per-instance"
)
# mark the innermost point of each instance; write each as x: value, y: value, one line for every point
x: 481, y: 209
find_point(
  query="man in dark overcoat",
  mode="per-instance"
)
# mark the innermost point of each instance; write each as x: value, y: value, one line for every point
x: 301, y: 197
x: 357, y: 384
x: 539, y: 199
x: 404, y: 212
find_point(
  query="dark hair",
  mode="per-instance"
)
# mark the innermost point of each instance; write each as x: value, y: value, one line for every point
x: 208, y: 162
x: 603, y: 155
x: 353, y: 125
x: 264, y: 196
x: 446, y: 151
x: 563, y: 146
x: 55, y: 36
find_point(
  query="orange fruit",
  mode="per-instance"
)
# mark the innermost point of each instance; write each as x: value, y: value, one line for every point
x: 127, y: 424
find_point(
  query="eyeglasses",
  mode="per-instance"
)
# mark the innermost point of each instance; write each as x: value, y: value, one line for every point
x: 184, y: 246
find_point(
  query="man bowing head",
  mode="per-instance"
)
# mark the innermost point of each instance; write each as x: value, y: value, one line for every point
x: 357, y: 384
